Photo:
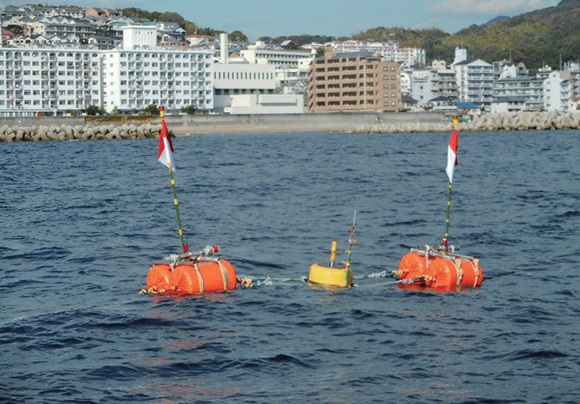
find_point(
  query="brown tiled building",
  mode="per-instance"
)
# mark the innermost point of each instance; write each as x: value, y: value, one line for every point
x: 351, y: 82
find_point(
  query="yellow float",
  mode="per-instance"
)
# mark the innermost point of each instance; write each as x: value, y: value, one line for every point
x: 330, y: 276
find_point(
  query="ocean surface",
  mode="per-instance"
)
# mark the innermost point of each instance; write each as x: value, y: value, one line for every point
x: 83, y: 221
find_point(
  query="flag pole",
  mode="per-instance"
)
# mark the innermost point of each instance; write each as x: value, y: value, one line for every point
x: 351, y: 240
x: 184, y: 245
x: 444, y: 243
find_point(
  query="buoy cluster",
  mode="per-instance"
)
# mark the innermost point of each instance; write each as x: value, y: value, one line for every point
x: 40, y: 133
x: 188, y: 273
x: 439, y: 269
x: 433, y: 268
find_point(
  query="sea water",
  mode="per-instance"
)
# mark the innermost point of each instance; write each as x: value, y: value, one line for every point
x: 83, y: 221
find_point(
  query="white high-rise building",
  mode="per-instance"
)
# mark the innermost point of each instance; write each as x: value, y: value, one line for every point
x: 389, y: 51
x: 425, y: 85
x: 59, y: 81
x: 48, y: 81
x: 134, y: 79
x: 474, y: 79
x: 519, y: 93
x: 291, y: 64
x: 557, y: 93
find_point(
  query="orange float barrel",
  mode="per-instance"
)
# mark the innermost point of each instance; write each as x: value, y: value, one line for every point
x: 192, y: 274
x: 443, y: 273
x: 431, y: 268
x: 160, y: 278
x: 412, y: 266
x: 472, y: 273
x: 204, y: 277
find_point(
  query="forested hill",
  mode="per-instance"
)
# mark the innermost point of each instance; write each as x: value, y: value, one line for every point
x: 536, y: 38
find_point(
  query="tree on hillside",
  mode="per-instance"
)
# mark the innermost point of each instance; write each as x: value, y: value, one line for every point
x: 238, y: 36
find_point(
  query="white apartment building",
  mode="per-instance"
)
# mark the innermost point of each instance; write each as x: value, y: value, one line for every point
x: 63, y: 26
x: 48, y: 81
x: 406, y: 82
x: 281, y: 58
x: 140, y: 75
x: 519, y: 93
x: 557, y: 93
x: 134, y: 79
x: 58, y: 81
x: 424, y: 85
x: 291, y: 64
x: 474, y: 82
x: 390, y: 51
x: 447, y: 80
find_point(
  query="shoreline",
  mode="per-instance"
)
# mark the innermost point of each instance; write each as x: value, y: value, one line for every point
x: 141, y: 127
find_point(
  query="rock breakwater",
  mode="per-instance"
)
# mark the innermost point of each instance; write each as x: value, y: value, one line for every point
x: 484, y: 122
x: 346, y: 123
x: 39, y: 133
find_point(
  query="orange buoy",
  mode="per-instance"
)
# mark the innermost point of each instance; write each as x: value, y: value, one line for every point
x: 437, y: 269
x: 472, y: 274
x: 160, y: 278
x: 192, y: 274
x: 204, y: 277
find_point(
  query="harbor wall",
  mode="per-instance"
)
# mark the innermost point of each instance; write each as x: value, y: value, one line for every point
x: 110, y: 128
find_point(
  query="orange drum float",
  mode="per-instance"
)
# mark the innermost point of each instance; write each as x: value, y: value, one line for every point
x: 439, y: 269
x: 192, y: 274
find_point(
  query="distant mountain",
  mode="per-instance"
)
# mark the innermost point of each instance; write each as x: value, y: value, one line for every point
x: 536, y: 38
x: 499, y: 18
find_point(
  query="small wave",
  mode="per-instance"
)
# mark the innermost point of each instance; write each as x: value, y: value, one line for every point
x: 541, y: 354
x: 260, y: 264
x: 47, y: 253
x: 130, y: 324
x: 570, y: 213
x: 117, y: 372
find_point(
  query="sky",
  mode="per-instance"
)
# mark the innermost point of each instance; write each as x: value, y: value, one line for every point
x: 257, y: 18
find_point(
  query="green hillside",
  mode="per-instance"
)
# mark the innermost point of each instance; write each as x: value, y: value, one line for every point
x: 536, y: 38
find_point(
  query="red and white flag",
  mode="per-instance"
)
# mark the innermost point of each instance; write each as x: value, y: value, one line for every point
x: 452, y: 155
x: 165, y: 149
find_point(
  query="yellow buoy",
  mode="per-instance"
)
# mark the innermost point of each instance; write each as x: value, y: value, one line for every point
x: 329, y: 275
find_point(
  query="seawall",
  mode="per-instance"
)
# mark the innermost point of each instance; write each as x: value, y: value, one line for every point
x: 107, y: 128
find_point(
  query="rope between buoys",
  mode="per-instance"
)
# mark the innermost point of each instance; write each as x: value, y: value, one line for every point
x: 375, y: 275
x: 250, y: 282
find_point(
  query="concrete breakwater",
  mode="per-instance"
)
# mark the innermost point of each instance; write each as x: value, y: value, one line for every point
x: 38, y: 133
x: 43, y: 129
x: 484, y: 122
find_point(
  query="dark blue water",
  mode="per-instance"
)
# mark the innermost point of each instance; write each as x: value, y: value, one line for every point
x: 82, y: 222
